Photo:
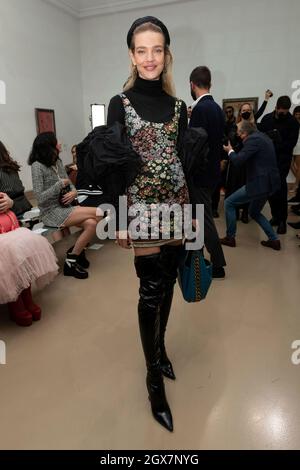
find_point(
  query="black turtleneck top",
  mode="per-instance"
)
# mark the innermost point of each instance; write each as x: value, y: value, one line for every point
x: 151, y: 103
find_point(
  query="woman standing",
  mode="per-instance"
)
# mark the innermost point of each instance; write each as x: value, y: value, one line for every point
x: 55, y: 194
x: 155, y: 122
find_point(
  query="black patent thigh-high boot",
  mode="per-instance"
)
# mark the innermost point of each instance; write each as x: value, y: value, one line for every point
x: 169, y: 261
x: 149, y: 272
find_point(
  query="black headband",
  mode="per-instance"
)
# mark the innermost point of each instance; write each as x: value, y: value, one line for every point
x: 148, y: 19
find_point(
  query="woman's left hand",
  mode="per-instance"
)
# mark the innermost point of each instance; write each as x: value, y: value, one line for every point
x: 5, y: 203
x: 69, y: 197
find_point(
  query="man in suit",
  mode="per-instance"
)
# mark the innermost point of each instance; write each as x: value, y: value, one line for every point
x: 284, y: 130
x: 258, y: 153
x: 207, y: 113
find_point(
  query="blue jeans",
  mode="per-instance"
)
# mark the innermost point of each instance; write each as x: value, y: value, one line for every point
x: 256, y: 205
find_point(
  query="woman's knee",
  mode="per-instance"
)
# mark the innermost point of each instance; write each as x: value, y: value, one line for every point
x: 90, y: 224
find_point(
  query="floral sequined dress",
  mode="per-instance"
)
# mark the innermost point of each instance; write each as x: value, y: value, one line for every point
x: 161, y: 180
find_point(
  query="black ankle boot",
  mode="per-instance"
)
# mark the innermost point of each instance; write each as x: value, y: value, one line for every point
x: 169, y: 261
x: 72, y: 268
x: 81, y: 259
x: 149, y: 271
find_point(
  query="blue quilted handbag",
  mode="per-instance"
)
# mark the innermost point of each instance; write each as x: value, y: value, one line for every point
x: 194, y: 275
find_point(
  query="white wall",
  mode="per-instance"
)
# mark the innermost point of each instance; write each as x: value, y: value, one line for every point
x: 250, y: 45
x: 40, y: 64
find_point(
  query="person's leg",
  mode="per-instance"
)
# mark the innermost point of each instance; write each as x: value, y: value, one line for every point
x: 282, y: 202
x: 278, y: 203
x: 18, y: 312
x: 236, y: 199
x: 86, y: 218
x: 211, y: 237
x: 89, y: 230
x: 148, y: 270
x: 274, y: 202
x: 80, y: 214
x: 215, y: 199
x: 295, y: 167
x: 29, y: 304
x: 245, y: 212
x: 75, y: 258
x: 169, y: 261
x: 255, y: 209
x: 283, y: 206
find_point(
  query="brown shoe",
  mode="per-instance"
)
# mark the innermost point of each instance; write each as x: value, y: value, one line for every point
x: 228, y: 241
x: 275, y: 244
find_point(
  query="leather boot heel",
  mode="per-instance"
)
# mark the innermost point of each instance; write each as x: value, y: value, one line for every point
x: 159, y: 405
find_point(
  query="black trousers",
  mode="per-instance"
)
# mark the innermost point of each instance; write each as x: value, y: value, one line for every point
x: 278, y: 201
x: 211, y: 237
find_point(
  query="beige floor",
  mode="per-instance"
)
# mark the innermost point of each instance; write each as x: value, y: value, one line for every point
x: 75, y: 380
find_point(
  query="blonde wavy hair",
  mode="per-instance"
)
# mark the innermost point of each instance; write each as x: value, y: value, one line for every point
x: 167, y: 75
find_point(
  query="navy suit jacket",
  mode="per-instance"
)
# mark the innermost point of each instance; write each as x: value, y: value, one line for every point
x: 208, y: 114
x: 258, y: 153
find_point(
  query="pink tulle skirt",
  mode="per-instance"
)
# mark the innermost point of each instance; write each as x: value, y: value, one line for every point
x: 25, y: 258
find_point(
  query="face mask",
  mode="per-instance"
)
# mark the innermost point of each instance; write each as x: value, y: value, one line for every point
x: 246, y: 115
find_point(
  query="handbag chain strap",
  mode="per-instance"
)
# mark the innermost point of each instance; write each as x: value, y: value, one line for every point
x: 197, y: 279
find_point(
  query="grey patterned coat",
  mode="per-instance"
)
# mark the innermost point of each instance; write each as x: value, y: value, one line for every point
x: 47, y: 186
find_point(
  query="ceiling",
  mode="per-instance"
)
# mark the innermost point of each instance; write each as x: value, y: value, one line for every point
x: 88, y: 8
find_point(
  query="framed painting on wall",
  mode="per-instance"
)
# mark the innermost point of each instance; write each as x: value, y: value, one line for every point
x: 236, y: 103
x: 45, y: 120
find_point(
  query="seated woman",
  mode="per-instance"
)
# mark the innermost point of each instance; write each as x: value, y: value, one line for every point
x: 55, y: 194
x: 11, y: 184
x: 25, y: 258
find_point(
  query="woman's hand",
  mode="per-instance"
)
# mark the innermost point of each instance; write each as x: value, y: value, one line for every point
x: 5, y: 203
x: 123, y: 239
x: 69, y: 197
